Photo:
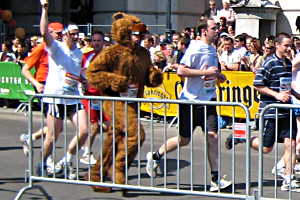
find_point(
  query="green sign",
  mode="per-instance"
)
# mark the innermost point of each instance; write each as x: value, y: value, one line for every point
x: 13, y: 84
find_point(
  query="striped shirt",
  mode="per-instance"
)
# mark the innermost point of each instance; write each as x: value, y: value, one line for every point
x: 275, y: 74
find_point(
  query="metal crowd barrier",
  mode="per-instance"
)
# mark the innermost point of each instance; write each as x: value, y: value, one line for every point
x: 268, y: 182
x: 184, y: 172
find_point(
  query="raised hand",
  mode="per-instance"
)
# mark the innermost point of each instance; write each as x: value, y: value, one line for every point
x: 44, y: 3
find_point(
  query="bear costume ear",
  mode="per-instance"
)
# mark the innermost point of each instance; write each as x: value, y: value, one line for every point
x: 118, y: 15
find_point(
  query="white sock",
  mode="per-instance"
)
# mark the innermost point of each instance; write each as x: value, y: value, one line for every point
x: 85, y: 150
x: 67, y: 158
x: 280, y: 164
x: 287, y: 178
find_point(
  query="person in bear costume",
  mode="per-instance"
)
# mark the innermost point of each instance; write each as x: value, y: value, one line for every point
x: 120, y: 69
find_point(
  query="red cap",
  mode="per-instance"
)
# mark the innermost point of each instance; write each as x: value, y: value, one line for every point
x: 55, y: 26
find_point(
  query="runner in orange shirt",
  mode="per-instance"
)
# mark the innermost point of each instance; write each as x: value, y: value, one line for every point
x: 38, y: 59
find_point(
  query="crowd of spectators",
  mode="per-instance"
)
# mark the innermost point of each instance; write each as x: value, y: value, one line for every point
x: 236, y: 52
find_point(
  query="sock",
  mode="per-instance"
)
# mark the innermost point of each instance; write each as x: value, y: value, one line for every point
x: 280, y: 164
x: 85, y: 150
x: 214, y: 176
x: 156, y: 156
x: 67, y: 158
x: 49, y: 160
x: 287, y: 178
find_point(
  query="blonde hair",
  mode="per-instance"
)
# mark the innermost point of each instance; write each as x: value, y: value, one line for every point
x: 160, y: 55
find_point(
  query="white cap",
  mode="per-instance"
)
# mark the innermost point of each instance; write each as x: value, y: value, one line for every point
x: 223, y: 34
x: 72, y: 27
x: 225, y: 1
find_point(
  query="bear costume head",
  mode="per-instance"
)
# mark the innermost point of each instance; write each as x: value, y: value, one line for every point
x: 124, y: 26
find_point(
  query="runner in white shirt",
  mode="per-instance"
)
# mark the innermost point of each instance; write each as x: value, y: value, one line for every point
x: 63, y: 79
x: 199, y: 67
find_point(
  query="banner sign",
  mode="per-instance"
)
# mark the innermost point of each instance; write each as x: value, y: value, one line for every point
x: 169, y: 89
x: 237, y: 88
x: 13, y: 84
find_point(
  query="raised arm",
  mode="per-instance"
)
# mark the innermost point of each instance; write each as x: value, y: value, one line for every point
x: 44, y: 23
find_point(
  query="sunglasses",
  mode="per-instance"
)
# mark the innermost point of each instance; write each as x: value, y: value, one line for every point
x: 73, y: 34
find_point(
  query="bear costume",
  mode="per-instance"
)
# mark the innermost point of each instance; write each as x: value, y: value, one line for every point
x: 115, y: 70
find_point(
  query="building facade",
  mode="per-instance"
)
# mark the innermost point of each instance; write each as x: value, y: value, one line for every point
x: 184, y: 13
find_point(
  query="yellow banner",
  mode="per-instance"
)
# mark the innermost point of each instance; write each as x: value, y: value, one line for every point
x: 237, y: 88
x: 169, y: 89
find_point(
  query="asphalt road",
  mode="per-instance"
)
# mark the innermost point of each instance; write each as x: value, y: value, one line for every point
x: 14, y: 163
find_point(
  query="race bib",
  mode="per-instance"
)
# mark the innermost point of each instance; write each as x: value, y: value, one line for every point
x: 209, y: 86
x: 285, y: 83
x: 71, y: 82
x: 95, y: 105
x: 131, y: 92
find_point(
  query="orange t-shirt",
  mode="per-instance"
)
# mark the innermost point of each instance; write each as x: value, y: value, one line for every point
x: 39, y: 59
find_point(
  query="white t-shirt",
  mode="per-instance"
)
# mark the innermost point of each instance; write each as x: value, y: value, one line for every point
x: 230, y: 58
x: 296, y: 81
x: 64, y: 69
x: 199, y: 56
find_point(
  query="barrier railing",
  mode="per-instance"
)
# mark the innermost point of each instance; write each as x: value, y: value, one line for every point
x: 269, y: 179
x: 186, y: 181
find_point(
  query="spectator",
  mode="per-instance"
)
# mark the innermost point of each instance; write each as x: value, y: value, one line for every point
x: 296, y: 42
x: 255, y: 59
x: 175, y: 38
x: 170, y: 54
x: 226, y: 12
x: 231, y: 30
x: 268, y: 48
x: 229, y: 60
x: 223, y: 26
x: 159, y: 60
x: 239, y: 45
x: 183, y: 44
x: 21, y: 53
x: 6, y: 54
x: 148, y: 43
x: 15, y: 42
x: 211, y: 12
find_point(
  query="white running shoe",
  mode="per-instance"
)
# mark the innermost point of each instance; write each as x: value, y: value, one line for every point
x: 292, y: 186
x: 24, y: 139
x: 297, y: 168
x: 152, y: 165
x: 214, y: 186
x: 88, y: 159
x: 280, y: 172
x: 61, y: 165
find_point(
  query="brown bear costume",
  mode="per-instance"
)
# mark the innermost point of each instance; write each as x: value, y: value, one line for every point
x: 113, y: 71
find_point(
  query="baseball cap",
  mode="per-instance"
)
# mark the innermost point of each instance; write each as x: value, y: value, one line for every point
x: 55, y: 26
x: 224, y: 34
x: 226, y: 1
x: 72, y: 27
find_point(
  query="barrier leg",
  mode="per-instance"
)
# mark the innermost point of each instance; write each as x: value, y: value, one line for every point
x: 24, y: 189
x: 172, y: 122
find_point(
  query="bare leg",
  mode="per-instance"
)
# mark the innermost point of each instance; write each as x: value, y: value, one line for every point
x: 54, y: 128
x: 172, y: 143
x: 81, y: 126
x: 212, y: 141
x: 289, y: 155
